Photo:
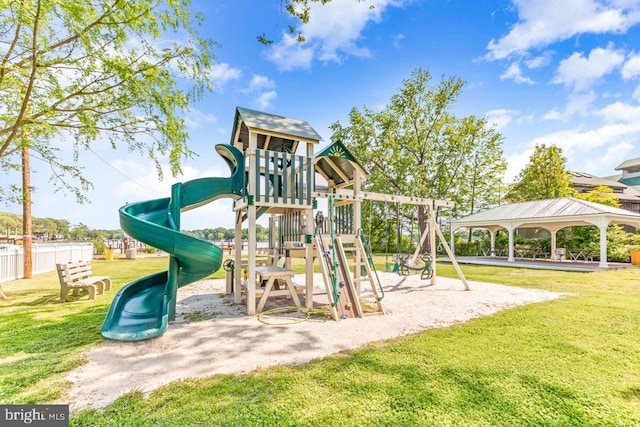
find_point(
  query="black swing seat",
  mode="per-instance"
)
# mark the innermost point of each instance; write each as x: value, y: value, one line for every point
x: 426, y: 272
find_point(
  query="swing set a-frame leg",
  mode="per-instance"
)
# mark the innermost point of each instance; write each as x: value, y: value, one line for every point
x: 434, y: 225
x: 452, y: 258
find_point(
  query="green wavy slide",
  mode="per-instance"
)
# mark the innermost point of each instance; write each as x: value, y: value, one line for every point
x: 143, y: 308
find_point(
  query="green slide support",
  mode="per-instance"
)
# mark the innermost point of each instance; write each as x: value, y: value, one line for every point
x: 143, y: 308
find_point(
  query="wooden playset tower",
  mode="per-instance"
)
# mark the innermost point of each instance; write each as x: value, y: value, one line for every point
x: 279, y: 182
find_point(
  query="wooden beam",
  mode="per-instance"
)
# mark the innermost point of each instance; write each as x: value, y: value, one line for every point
x: 336, y: 169
x: 266, y: 142
x: 381, y: 197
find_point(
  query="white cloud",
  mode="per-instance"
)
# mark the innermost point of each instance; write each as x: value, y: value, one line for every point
x: 288, y: 54
x: 553, y: 115
x: 631, y: 68
x: 195, y: 118
x: 515, y: 73
x: 611, y: 158
x: 500, y: 118
x: 263, y: 102
x: 515, y: 164
x: 579, y: 103
x: 581, y: 72
x: 223, y: 74
x: 263, y: 87
x: 542, y: 22
x: 332, y: 33
x: 620, y: 112
x: 259, y: 82
x: 599, y: 149
x: 539, y: 61
x: 580, y: 141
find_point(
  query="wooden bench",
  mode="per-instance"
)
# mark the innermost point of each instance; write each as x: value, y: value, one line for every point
x: 78, y: 275
x: 272, y: 276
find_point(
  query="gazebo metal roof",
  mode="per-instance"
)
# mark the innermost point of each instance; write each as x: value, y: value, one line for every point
x: 563, y: 212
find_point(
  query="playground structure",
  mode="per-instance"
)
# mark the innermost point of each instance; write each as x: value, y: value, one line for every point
x: 267, y: 178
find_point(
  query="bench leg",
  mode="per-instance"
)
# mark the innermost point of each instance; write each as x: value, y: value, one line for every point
x: 265, y: 295
x: 99, y: 285
x: 92, y: 291
x: 292, y: 291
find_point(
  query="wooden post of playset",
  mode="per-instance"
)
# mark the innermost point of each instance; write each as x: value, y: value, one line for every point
x: 357, y: 225
x: 310, y: 251
x: 431, y: 212
x: 250, y: 154
x: 237, y: 289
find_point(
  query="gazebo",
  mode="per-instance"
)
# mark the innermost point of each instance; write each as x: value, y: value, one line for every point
x: 551, y: 215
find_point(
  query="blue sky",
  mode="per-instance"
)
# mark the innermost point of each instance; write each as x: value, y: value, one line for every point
x: 544, y: 71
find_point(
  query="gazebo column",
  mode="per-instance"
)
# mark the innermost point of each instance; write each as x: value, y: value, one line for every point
x: 492, y: 236
x: 554, y: 255
x: 511, y: 230
x: 603, y: 246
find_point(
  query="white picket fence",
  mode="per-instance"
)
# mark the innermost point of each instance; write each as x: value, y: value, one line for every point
x: 45, y: 256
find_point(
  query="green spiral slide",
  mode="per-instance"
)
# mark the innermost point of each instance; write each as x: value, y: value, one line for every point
x: 143, y: 308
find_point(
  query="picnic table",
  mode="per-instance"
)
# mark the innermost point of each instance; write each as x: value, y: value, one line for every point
x: 526, y: 251
x: 576, y: 254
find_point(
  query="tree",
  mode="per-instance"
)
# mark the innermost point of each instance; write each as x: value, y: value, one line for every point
x: 582, y: 235
x: 100, y: 71
x: 602, y: 194
x: 80, y: 232
x: 544, y: 177
x: 415, y: 146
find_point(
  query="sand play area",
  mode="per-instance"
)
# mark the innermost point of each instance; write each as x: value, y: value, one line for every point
x: 211, y: 335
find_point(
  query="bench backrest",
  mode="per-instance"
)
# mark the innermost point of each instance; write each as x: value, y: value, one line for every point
x: 74, y: 271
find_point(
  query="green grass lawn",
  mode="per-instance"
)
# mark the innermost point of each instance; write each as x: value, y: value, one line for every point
x: 572, y: 361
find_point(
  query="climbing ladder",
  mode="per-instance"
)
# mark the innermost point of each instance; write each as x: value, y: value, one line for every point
x: 362, y: 263
x: 342, y: 295
x: 342, y: 288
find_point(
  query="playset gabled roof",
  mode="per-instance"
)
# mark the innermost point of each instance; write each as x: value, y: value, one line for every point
x: 274, y: 132
x: 337, y: 164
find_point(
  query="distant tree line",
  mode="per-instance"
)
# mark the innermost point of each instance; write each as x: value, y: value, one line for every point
x: 221, y: 234
x: 61, y: 229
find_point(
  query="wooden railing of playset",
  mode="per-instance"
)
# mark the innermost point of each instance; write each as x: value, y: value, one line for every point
x: 282, y: 179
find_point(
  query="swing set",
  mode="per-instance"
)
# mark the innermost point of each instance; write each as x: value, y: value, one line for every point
x: 405, y: 264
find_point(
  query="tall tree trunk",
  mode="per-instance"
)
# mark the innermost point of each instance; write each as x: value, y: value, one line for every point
x: 26, y: 213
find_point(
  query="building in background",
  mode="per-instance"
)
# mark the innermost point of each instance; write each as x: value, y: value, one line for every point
x: 625, y: 185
